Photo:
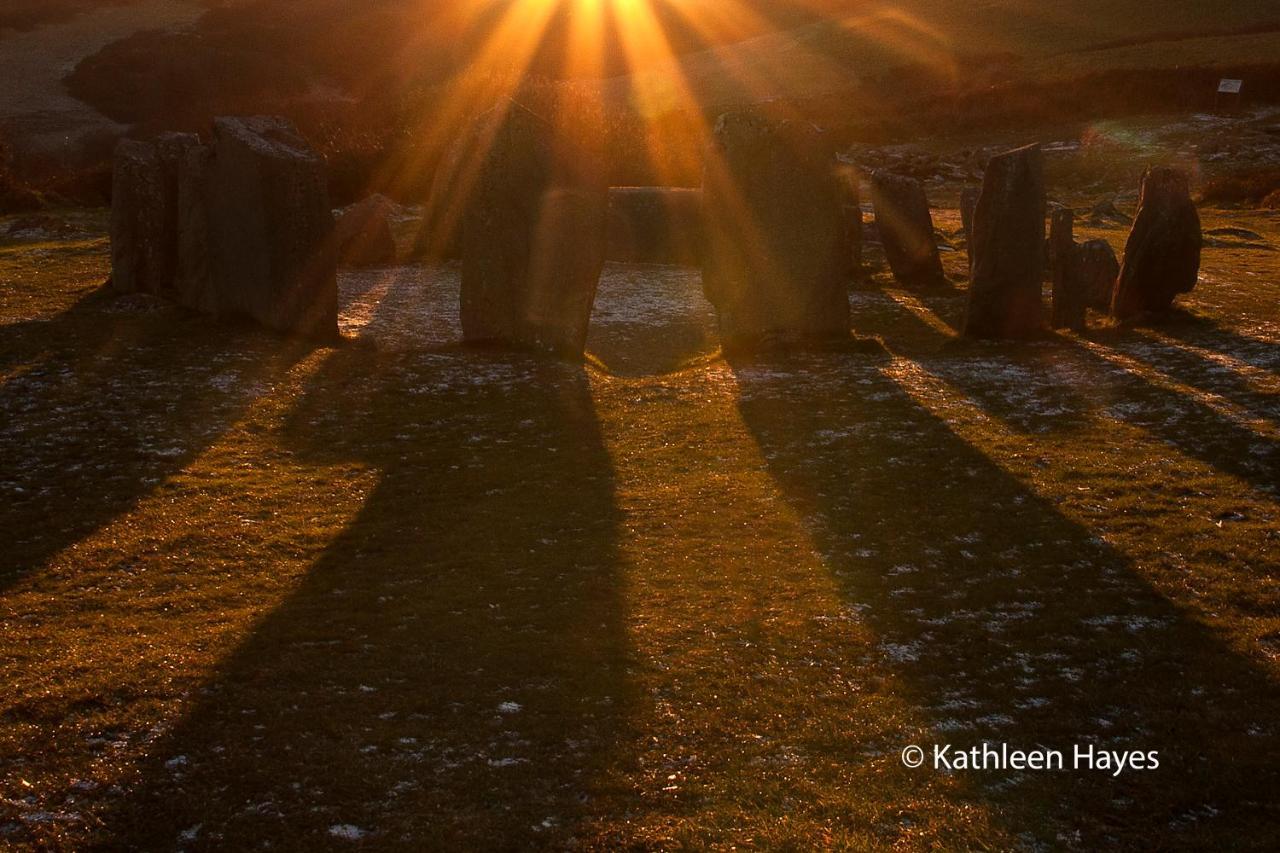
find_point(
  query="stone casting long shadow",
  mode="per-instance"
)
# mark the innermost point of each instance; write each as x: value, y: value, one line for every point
x: 101, y: 403
x: 450, y: 673
x: 1011, y: 623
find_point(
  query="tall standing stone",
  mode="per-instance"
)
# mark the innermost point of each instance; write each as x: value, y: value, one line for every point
x: 1069, y: 296
x: 905, y: 226
x: 1162, y: 255
x: 777, y: 257
x: 534, y: 235
x: 137, y: 219
x: 968, y: 204
x: 269, y: 224
x: 1005, y: 299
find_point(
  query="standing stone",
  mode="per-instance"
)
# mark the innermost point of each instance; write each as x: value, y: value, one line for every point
x: 362, y: 234
x: 1162, y: 256
x: 968, y: 204
x: 534, y: 236
x: 269, y: 225
x: 655, y: 225
x: 906, y: 230
x: 1097, y: 268
x: 777, y: 244
x: 194, y: 285
x: 144, y: 213
x: 137, y: 219
x: 1069, y: 297
x: 1005, y: 299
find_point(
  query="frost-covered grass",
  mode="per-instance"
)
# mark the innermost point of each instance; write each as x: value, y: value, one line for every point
x: 401, y: 594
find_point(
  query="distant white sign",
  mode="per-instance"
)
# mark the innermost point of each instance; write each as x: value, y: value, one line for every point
x: 1230, y: 87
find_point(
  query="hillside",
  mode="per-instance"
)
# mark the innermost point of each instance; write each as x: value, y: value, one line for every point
x: 949, y: 41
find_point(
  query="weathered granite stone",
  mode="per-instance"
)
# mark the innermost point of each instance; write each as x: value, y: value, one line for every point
x: 851, y: 187
x: 1069, y: 297
x: 534, y: 237
x: 656, y: 225
x: 776, y: 265
x: 269, y: 228
x: 1162, y: 255
x: 144, y: 213
x: 193, y: 281
x: 362, y: 234
x: 1005, y: 299
x: 1098, y: 269
x: 905, y: 226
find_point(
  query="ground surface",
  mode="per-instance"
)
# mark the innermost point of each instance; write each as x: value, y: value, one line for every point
x: 399, y: 593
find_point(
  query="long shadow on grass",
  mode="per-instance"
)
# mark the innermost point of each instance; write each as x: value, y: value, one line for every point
x: 102, y: 403
x: 1011, y: 623
x: 451, y: 672
x: 1061, y: 384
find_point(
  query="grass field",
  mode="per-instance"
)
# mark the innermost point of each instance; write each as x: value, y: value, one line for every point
x: 399, y: 593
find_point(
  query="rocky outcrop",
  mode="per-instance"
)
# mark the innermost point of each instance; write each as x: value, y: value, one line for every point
x: 1008, y: 247
x: 655, y: 225
x: 905, y: 226
x: 362, y: 234
x: 1162, y: 255
x: 533, y: 238
x: 776, y: 264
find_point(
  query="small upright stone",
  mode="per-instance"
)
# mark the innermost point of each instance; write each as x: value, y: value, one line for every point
x: 533, y: 237
x: 1005, y: 299
x: 1069, y: 297
x: 1162, y: 255
x: 269, y: 228
x: 905, y: 226
x: 1097, y: 267
x: 777, y: 259
x: 363, y: 235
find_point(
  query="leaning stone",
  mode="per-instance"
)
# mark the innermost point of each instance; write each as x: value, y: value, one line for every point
x: 269, y: 227
x: 363, y: 235
x: 1069, y: 298
x: 533, y: 238
x: 656, y: 225
x: 905, y: 226
x: 1162, y: 255
x: 138, y: 217
x: 1005, y: 299
x: 1097, y: 268
x: 776, y: 265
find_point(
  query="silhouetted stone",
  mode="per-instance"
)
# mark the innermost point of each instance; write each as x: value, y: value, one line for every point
x: 534, y: 237
x: 269, y: 225
x: 1069, y: 298
x: 363, y: 235
x: 193, y: 283
x: 1097, y: 268
x: 1005, y: 299
x: 1162, y: 255
x: 656, y: 225
x: 777, y: 243
x: 144, y: 213
x: 905, y: 226
x: 851, y: 187
x: 968, y: 204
